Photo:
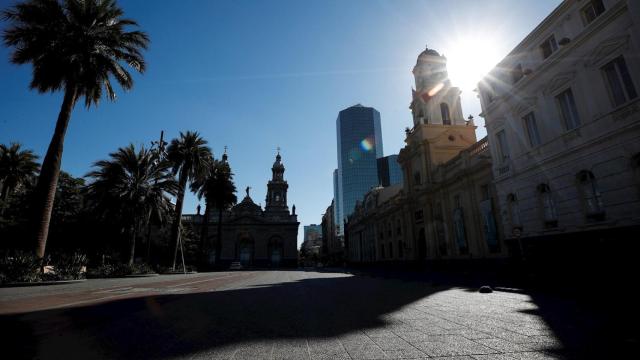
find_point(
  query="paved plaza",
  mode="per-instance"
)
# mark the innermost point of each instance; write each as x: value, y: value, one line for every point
x: 289, y: 315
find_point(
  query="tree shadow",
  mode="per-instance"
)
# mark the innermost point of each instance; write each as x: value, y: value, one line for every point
x: 165, y: 326
x: 590, y: 324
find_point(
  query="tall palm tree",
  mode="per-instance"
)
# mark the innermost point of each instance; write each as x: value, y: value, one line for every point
x: 218, y: 190
x: 199, y: 186
x: 130, y: 187
x: 221, y: 195
x: 75, y: 46
x: 18, y: 167
x: 190, y: 157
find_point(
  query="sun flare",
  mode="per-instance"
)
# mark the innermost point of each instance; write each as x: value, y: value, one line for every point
x: 470, y: 57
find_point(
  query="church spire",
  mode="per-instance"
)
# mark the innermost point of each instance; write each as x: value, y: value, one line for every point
x: 277, y: 187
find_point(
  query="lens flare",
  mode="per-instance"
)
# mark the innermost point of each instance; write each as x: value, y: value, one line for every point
x: 435, y: 89
x: 367, y: 144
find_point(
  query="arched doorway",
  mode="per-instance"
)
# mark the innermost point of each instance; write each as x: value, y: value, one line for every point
x: 275, y: 250
x: 422, y: 245
x: 245, y: 250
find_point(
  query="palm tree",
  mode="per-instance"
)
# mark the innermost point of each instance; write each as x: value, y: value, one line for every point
x: 75, y: 46
x: 130, y: 188
x: 218, y: 190
x: 190, y: 157
x: 18, y: 168
x: 222, y: 196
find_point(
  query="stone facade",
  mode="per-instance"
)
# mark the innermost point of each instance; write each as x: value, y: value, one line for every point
x: 253, y: 236
x: 563, y: 119
x: 445, y: 209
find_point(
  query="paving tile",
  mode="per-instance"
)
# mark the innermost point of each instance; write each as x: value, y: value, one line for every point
x: 502, y: 345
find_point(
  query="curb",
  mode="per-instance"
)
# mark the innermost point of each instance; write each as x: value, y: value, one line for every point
x: 43, y: 283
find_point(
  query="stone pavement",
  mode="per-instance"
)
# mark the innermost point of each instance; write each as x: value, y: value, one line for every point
x: 289, y: 315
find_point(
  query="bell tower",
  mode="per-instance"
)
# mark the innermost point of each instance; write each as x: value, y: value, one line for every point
x: 434, y: 100
x: 439, y: 130
x: 277, y: 188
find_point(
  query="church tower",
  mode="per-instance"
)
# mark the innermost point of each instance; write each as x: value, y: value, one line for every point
x: 277, y: 188
x: 439, y: 130
x: 434, y: 101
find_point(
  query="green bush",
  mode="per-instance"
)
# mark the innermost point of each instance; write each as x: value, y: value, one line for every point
x: 69, y: 267
x: 20, y: 266
x: 118, y: 270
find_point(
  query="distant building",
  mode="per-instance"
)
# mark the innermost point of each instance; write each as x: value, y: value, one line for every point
x: 253, y: 236
x: 389, y: 171
x: 312, y: 241
x: 337, y: 212
x: 359, y: 141
x: 332, y: 244
x: 562, y: 113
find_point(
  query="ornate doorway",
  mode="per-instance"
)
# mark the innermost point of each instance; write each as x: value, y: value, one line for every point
x: 275, y: 249
x: 244, y: 250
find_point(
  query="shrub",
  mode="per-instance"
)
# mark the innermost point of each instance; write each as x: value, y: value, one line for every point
x: 20, y: 267
x: 118, y: 270
x: 69, y: 267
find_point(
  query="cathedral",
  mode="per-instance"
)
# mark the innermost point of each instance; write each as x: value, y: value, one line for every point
x: 253, y: 236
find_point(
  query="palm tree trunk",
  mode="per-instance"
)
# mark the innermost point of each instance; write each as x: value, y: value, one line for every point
x: 132, y: 245
x: 219, y: 237
x: 48, y: 179
x: 4, y: 195
x: 175, y: 228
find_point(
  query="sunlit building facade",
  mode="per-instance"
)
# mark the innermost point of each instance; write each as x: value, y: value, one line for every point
x: 562, y: 113
x: 359, y: 146
x: 445, y: 208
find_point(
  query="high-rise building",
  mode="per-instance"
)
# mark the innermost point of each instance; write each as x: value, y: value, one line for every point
x: 313, y: 233
x: 389, y: 171
x: 359, y: 147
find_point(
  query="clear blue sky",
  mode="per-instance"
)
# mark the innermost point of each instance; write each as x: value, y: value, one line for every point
x: 255, y: 75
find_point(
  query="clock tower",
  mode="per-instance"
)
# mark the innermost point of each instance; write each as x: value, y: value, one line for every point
x: 277, y: 188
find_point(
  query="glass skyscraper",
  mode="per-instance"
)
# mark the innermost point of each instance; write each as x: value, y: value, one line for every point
x: 359, y: 147
x: 389, y: 171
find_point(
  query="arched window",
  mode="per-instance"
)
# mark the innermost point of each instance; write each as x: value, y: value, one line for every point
x: 590, y: 195
x: 446, y: 116
x: 548, y: 206
x: 514, y: 211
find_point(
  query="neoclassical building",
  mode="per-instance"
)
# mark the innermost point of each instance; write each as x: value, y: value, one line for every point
x: 562, y: 113
x: 253, y: 236
x: 445, y: 209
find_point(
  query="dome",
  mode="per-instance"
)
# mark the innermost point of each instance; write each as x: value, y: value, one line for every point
x: 278, y: 165
x: 427, y: 53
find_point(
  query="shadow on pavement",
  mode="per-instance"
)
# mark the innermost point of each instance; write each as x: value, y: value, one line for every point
x: 177, y: 325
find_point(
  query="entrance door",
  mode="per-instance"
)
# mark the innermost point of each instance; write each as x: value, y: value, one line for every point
x: 422, y: 245
x: 276, y: 257
x: 246, y: 253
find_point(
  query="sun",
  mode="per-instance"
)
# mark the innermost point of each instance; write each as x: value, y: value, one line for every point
x: 470, y: 57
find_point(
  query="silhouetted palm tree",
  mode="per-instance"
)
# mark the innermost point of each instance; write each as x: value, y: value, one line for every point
x: 130, y: 187
x: 18, y: 167
x: 75, y: 46
x: 218, y: 190
x: 190, y: 157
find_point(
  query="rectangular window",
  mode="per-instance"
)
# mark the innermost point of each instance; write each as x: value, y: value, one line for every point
x: 503, y: 148
x: 532, y: 129
x: 516, y: 73
x: 484, y: 192
x: 592, y: 11
x: 549, y: 47
x: 620, y: 83
x: 568, y: 109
